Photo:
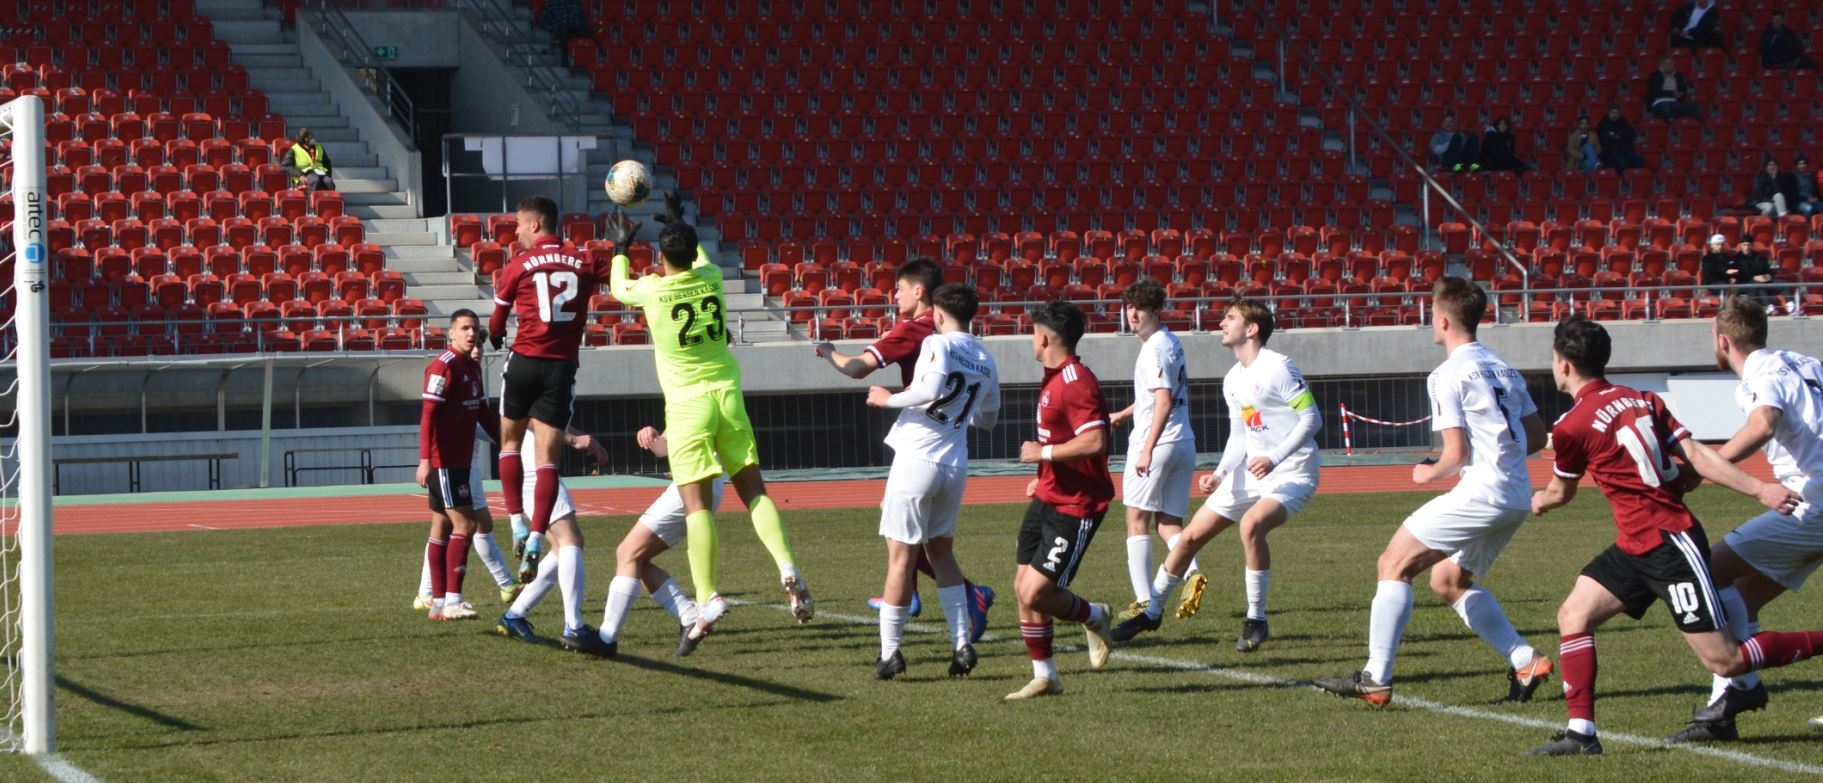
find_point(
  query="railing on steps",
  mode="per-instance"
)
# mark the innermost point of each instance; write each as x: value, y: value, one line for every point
x: 352, y: 50
x: 495, y: 19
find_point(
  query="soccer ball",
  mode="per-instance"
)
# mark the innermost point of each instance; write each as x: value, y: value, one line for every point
x: 629, y: 182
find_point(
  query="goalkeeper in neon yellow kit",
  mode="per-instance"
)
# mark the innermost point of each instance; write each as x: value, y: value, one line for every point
x: 705, y: 416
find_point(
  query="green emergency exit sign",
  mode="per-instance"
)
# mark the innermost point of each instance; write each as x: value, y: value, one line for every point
x: 386, y: 52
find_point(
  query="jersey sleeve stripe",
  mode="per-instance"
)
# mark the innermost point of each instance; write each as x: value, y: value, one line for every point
x: 432, y: 397
x: 1089, y: 426
x: 502, y: 302
x: 875, y: 352
x: 1681, y: 434
x: 1561, y: 473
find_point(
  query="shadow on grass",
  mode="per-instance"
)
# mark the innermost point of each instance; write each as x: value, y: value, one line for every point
x: 162, y: 719
x: 733, y: 680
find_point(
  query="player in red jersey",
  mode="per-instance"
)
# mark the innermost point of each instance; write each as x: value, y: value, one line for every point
x: 454, y: 403
x: 913, y: 284
x: 1624, y: 440
x: 548, y: 287
x: 1069, y: 497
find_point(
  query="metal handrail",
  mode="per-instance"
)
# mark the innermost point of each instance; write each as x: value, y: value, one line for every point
x: 1356, y: 114
x: 375, y: 78
x: 490, y: 17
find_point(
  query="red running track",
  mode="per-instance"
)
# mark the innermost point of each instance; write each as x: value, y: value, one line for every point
x: 855, y: 494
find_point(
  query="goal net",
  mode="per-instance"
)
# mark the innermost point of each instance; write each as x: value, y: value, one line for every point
x: 25, y: 420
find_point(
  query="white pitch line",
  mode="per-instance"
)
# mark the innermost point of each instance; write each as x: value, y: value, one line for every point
x: 1255, y: 678
x: 203, y: 527
x: 58, y: 767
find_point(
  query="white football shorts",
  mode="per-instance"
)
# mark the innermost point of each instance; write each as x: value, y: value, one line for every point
x: 665, y: 517
x: 922, y: 500
x: 562, y: 508
x: 1785, y: 549
x: 1165, y: 489
x: 1473, y: 531
x: 1239, y: 491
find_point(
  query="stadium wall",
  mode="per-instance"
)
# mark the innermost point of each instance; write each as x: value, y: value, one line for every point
x: 364, y: 113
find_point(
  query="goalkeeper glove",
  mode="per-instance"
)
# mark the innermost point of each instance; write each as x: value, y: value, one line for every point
x: 620, y: 231
x: 674, y: 209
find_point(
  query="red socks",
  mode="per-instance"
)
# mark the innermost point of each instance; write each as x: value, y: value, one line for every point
x: 512, y: 481
x: 436, y: 555
x: 1577, y: 653
x: 1774, y: 648
x: 544, y: 497
x: 1079, y: 610
x: 1037, y: 640
x: 457, y: 563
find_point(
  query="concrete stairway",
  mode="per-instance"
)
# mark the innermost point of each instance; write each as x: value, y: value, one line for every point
x: 414, y: 245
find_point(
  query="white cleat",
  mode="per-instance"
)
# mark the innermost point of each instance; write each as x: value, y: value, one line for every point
x: 1039, y: 686
x: 1098, y: 638
x: 461, y: 611
x: 803, y: 607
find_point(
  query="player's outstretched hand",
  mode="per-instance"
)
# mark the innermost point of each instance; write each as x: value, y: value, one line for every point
x: 1030, y: 451
x: 674, y: 209
x: 878, y: 396
x: 1208, y: 482
x: 1120, y: 417
x: 645, y: 437
x: 1031, y: 488
x: 496, y: 340
x: 824, y: 349
x: 1260, y: 466
x: 620, y: 231
x: 1778, y: 498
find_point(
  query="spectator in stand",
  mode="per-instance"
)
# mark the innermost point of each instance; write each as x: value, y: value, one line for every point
x: 1722, y: 268
x: 308, y: 163
x: 564, y: 19
x: 1583, y: 152
x: 1454, y: 150
x: 1500, y: 149
x: 1808, y: 201
x: 1616, y: 137
x: 1668, y: 92
x: 1769, y: 190
x: 1696, y: 25
x: 1782, y: 47
x: 1755, y: 268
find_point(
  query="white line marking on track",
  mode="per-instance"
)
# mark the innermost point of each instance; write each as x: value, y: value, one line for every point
x: 203, y: 527
x: 1255, y: 678
x: 60, y: 768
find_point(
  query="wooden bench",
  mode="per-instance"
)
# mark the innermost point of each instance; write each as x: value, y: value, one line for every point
x: 133, y: 462
x: 364, y: 464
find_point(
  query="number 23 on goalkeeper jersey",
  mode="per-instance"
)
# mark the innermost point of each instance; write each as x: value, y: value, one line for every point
x: 687, y: 315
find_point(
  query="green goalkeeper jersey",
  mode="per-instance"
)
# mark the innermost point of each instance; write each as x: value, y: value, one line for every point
x: 684, y: 309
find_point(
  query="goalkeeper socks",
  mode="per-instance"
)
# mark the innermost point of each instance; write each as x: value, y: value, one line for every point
x: 1139, y: 564
x: 570, y: 578
x: 512, y: 482
x: 544, y: 496
x: 493, y: 559
x: 621, y: 593
x: 436, y: 558
x: 771, y: 530
x: 701, y: 540
x: 535, y: 590
x: 457, y: 562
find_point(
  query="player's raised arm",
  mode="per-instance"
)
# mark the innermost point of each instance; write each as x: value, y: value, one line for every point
x: 620, y: 280
x: 503, y: 305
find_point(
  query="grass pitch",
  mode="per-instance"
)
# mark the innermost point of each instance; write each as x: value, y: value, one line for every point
x: 291, y: 655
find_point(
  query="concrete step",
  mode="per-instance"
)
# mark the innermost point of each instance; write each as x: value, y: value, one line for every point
x: 375, y: 211
x: 251, y: 61
x: 442, y: 277
x: 441, y: 253
x: 358, y: 172
x: 264, y: 48
x: 444, y: 266
x: 349, y: 186
x: 282, y: 80
x: 338, y: 149
x: 390, y: 238
x: 467, y: 291
x: 401, y: 226
x: 368, y: 160
x: 316, y: 121
x: 443, y: 307
x: 336, y: 134
x: 387, y: 198
x: 744, y: 301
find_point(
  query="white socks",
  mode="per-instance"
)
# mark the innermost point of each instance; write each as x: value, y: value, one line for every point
x: 570, y: 577
x: 672, y: 599
x: 1171, y: 543
x: 491, y: 557
x: 1483, y: 615
x: 621, y: 592
x: 1256, y: 593
x: 1139, y: 565
x: 955, y: 611
x: 892, y: 629
x: 1392, y: 608
x: 1045, y: 669
x: 1740, y: 629
x: 424, y: 578
x: 1163, y: 586
x: 536, y: 590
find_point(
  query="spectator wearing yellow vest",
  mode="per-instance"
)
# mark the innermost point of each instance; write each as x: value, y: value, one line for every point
x: 308, y: 163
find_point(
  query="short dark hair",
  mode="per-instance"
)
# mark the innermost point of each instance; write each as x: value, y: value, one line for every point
x: 1145, y: 294
x: 1255, y: 312
x: 463, y: 313
x: 677, y: 243
x: 545, y: 209
x: 1584, y: 344
x: 1460, y: 299
x: 1063, y: 319
x: 958, y: 301
x: 920, y: 271
x: 1743, y: 322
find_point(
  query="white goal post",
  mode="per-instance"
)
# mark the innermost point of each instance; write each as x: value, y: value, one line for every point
x: 25, y: 468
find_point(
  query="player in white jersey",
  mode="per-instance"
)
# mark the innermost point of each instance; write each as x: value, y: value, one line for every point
x: 578, y: 635
x: 1161, y: 451
x: 1488, y: 424
x: 1267, y: 474
x: 954, y: 385
x: 1782, y: 394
